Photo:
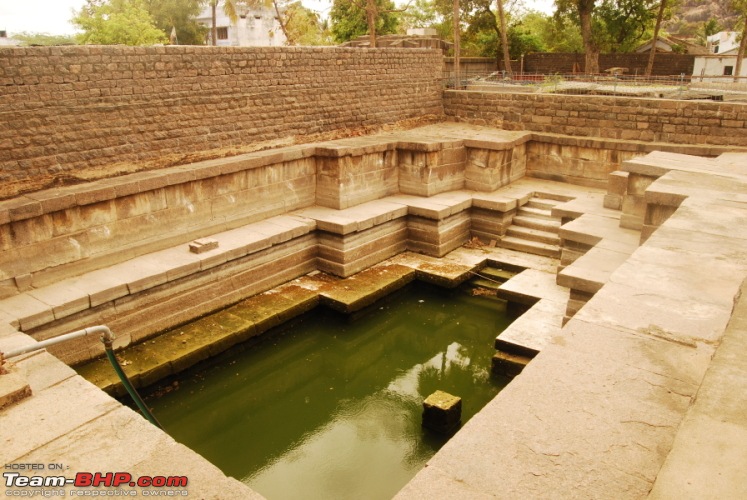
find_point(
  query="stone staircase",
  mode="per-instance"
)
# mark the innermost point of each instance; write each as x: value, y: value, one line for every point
x: 534, y: 230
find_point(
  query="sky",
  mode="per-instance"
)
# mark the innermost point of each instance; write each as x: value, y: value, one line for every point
x: 53, y: 16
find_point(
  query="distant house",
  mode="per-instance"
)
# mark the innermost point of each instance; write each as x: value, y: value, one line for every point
x: 673, y: 44
x: 255, y: 27
x: 723, y: 64
x: 722, y: 42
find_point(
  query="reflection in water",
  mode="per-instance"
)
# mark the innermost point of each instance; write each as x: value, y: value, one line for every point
x: 330, y: 406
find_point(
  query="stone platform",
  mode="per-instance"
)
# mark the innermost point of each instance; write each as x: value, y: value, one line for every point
x: 640, y: 393
x: 596, y: 413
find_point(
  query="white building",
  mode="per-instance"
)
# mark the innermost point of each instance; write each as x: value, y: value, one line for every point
x: 721, y: 65
x: 722, y: 42
x: 255, y: 27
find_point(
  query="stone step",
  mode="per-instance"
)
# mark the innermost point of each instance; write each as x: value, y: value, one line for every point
x: 530, y: 234
x: 551, y: 226
x: 542, y: 203
x: 533, y: 247
x: 480, y: 282
x: 540, y: 213
x: 497, y: 274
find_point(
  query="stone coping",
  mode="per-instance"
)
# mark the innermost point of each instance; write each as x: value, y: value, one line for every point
x: 426, y: 138
x: 658, y: 163
x: 429, y: 138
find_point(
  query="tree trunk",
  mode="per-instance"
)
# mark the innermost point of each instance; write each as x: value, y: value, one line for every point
x: 585, y: 10
x: 741, y: 52
x: 652, y: 55
x: 371, y: 12
x: 457, y: 49
x: 282, y: 23
x: 214, y: 31
x: 504, y: 40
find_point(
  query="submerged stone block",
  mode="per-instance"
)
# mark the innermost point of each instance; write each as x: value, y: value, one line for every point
x: 442, y: 412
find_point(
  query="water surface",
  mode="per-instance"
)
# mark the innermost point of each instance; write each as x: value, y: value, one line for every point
x: 330, y: 406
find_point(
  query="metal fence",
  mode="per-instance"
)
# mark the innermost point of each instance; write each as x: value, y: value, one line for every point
x: 714, y: 88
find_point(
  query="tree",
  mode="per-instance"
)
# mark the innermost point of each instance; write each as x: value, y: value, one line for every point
x: 349, y: 20
x: 179, y: 15
x: 652, y: 55
x: 621, y: 25
x: 230, y: 8
x: 301, y: 25
x: 583, y: 11
x: 424, y: 14
x: 110, y: 22
x: 504, y: 39
x: 538, y: 32
x: 741, y: 7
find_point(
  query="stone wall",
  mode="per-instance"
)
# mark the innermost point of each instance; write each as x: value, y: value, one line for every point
x: 666, y: 64
x: 86, y: 112
x: 630, y: 119
x: 471, y: 66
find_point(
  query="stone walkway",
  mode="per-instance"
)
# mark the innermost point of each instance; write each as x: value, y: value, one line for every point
x: 641, y: 393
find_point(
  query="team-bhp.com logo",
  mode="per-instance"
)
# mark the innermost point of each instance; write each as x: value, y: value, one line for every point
x: 93, y: 484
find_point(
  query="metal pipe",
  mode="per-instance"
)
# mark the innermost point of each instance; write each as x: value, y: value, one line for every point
x: 107, y: 337
x: 101, y: 329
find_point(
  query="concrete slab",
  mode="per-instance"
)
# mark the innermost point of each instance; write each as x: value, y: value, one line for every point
x: 688, y: 321
x: 708, y: 456
x: 62, y: 407
x: 590, y: 229
x: 533, y: 330
x: 530, y: 285
x: 591, y: 271
x: 145, y: 451
x: 29, y: 311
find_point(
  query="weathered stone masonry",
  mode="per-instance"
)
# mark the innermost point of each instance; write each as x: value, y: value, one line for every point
x: 628, y: 119
x: 68, y: 110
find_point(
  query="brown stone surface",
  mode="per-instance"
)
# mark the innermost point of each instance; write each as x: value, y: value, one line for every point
x: 227, y: 99
x: 705, y: 124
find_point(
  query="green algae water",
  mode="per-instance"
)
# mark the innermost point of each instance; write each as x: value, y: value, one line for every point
x: 329, y: 406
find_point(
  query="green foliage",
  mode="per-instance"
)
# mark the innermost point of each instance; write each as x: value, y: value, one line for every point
x: 179, y: 14
x: 114, y: 22
x: 303, y: 26
x: 622, y: 25
x: 711, y: 27
x: 522, y: 41
x: 30, y: 39
x: 349, y: 19
x: 425, y: 14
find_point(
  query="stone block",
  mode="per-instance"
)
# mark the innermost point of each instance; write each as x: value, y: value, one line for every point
x: 203, y: 245
x: 13, y: 386
x: 617, y: 183
x: 507, y: 364
x: 442, y: 412
x: 613, y: 201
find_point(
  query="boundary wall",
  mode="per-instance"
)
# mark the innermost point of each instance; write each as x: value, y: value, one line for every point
x: 624, y: 118
x: 68, y: 111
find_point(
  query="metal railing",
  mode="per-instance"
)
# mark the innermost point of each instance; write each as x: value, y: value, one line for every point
x: 688, y: 87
